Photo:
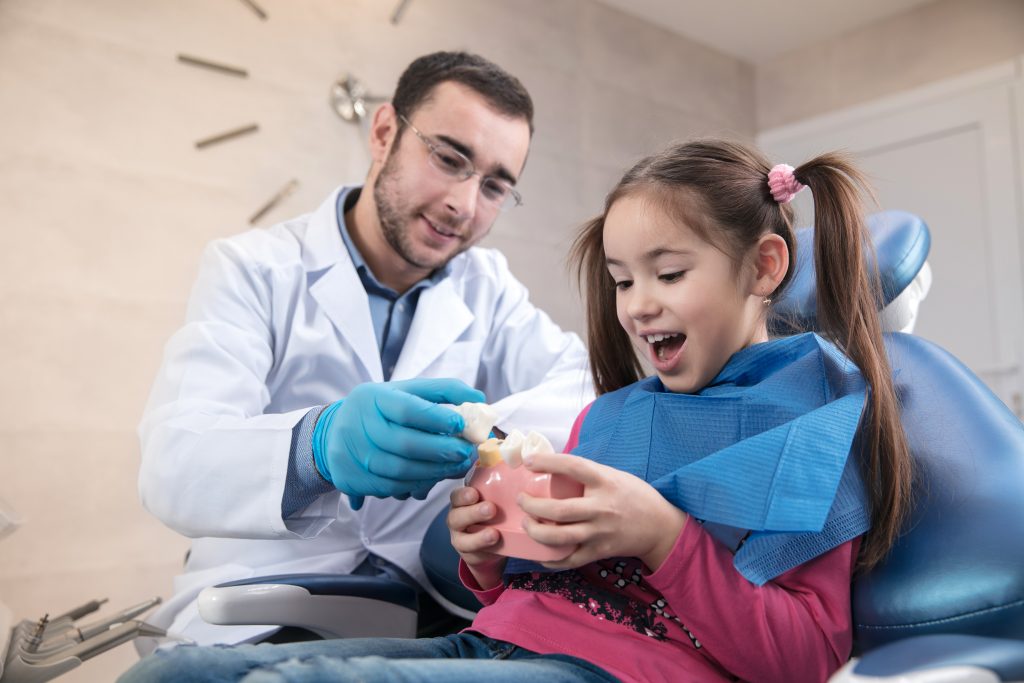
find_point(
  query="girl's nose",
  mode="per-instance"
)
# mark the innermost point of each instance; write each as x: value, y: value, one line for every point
x: 642, y: 305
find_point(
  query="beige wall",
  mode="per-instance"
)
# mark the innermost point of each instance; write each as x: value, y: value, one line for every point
x: 935, y: 41
x: 105, y: 205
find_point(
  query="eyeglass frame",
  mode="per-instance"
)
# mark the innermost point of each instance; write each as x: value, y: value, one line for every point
x: 463, y: 175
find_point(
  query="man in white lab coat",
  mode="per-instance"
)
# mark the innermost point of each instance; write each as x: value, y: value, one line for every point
x: 256, y: 442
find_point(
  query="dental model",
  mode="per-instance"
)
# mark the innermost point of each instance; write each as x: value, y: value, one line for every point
x: 500, y: 477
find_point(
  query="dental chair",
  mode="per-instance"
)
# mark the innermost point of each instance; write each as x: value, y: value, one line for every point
x: 948, y: 602
x: 946, y: 605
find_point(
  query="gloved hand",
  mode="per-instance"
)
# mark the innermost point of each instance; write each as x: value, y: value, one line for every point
x: 392, y: 439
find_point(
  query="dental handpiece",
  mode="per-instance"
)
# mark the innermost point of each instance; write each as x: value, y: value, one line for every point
x: 69, y: 635
x: 87, y: 649
x: 81, y: 610
x: 89, y: 630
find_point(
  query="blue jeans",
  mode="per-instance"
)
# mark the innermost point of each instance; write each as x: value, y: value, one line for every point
x: 458, y: 658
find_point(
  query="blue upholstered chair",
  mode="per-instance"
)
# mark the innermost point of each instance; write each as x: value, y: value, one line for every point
x: 948, y: 604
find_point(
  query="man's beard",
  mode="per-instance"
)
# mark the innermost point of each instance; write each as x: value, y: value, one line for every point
x: 393, y: 219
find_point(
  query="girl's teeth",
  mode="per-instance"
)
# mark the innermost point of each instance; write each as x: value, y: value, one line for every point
x: 652, y: 338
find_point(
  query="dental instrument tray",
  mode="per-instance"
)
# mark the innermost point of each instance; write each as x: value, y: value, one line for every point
x: 41, y: 650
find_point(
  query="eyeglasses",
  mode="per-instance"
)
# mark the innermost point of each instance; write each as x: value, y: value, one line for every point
x: 455, y: 164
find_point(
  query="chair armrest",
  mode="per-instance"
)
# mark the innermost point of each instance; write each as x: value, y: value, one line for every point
x: 939, y: 659
x: 330, y: 605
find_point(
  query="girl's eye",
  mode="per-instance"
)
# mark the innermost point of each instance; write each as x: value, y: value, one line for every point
x: 672, y: 277
x: 623, y: 284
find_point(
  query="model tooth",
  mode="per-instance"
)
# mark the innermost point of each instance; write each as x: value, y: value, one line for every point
x: 536, y: 442
x: 479, y: 418
x: 511, y: 448
x: 489, y: 453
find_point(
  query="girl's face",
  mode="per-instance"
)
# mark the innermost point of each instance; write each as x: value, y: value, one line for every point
x: 681, y: 300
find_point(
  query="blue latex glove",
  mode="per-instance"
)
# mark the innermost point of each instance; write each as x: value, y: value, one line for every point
x: 391, y: 439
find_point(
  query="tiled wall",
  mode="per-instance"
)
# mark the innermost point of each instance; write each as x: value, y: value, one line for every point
x: 937, y: 40
x: 105, y: 205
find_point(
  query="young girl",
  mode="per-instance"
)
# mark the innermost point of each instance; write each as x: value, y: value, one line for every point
x: 726, y: 500
x: 720, y: 489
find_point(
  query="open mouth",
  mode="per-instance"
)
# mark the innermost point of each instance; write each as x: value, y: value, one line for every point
x: 665, y: 347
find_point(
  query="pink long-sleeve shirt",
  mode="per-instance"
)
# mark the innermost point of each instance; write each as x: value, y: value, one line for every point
x: 693, y: 619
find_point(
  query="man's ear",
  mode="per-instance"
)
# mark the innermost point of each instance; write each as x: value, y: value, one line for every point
x: 771, y: 261
x: 382, y: 132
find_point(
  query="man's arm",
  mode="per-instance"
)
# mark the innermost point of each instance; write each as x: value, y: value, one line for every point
x: 213, y: 464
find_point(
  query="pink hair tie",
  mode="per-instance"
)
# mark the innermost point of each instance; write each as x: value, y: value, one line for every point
x: 783, y: 183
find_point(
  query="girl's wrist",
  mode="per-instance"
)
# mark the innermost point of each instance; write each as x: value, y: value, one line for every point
x: 487, y: 575
x: 671, y: 526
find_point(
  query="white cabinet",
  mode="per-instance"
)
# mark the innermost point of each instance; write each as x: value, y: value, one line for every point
x: 952, y: 153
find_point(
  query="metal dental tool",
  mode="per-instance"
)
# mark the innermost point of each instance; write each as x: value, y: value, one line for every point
x: 70, y: 633
x: 42, y: 650
x: 82, y: 610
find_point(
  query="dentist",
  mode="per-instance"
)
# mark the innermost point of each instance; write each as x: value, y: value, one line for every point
x: 294, y: 425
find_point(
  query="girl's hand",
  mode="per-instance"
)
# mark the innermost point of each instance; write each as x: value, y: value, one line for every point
x: 619, y: 515
x: 466, y: 511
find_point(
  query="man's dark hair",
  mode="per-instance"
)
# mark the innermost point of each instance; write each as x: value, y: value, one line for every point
x: 501, y: 89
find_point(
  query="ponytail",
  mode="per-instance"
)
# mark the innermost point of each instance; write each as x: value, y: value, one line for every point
x: 848, y: 298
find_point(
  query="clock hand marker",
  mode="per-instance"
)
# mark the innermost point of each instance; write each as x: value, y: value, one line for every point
x: 227, y: 135
x: 396, y: 16
x: 207, y: 64
x: 257, y: 9
x: 275, y: 200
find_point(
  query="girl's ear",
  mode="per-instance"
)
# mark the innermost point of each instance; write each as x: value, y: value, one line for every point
x: 382, y: 132
x: 771, y: 261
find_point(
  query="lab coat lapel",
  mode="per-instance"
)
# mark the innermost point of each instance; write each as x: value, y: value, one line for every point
x: 441, y: 317
x: 337, y: 288
x: 344, y: 301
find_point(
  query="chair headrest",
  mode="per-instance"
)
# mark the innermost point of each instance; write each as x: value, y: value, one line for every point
x: 901, y: 242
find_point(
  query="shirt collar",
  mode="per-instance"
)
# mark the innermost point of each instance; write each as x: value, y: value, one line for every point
x: 346, y: 200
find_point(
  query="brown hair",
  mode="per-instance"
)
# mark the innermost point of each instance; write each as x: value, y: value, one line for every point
x: 501, y: 89
x: 720, y: 190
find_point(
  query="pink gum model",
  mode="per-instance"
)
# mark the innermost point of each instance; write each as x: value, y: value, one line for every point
x: 500, y: 484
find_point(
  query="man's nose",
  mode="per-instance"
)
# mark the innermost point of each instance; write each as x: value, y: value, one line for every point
x: 463, y: 196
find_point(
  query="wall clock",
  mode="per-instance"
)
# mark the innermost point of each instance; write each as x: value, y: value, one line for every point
x: 348, y: 98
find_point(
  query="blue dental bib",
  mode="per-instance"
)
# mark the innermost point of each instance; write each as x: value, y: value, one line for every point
x: 760, y: 456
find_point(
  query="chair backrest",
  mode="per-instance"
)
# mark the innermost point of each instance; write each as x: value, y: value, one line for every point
x: 959, y: 567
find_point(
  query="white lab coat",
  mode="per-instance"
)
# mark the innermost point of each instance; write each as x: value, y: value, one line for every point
x: 278, y: 322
